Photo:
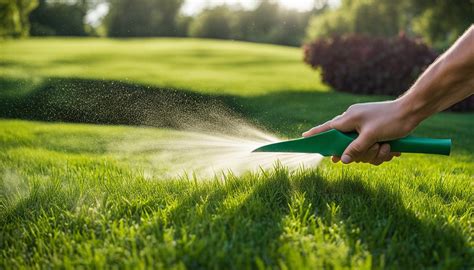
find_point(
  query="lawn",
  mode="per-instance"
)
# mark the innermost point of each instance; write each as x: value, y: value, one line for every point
x: 201, y: 65
x: 73, y: 196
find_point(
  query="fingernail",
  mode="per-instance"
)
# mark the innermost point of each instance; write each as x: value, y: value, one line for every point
x: 346, y: 159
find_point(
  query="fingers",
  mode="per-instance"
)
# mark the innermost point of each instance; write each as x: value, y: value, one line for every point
x: 376, y: 155
x: 358, y: 149
x: 371, y: 154
x: 318, y: 129
x: 340, y: 122
x: 382, y: 155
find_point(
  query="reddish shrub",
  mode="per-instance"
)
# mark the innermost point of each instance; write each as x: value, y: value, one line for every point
x: 372, y: 66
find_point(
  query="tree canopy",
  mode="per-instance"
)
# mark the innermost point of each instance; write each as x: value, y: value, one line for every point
x: 268, y: 22
x: 59, y: 18
x: 143, y: 18
x: 14, y: 17
x: 438, y: 23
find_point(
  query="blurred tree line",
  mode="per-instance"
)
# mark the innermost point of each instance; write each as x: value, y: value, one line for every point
x: 268, y: 22
x: 61, y: 18
x: 143, y: 18
x: 438, y: 22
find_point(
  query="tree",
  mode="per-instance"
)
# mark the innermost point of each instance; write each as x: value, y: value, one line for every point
x: 290, y: 29
x: 262, y: 21
x: 14, y: 17
x: 439, y: 22
x: 442, y: 22
x: 378, y: 18
x: 59, y: 18
x: 212, y: 23
x: 327, y: 24
x: 271, y: 23
x: 143, y: 18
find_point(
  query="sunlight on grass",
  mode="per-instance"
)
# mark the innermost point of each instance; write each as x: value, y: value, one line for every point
x: 66, y: 201
x: 201, y: 65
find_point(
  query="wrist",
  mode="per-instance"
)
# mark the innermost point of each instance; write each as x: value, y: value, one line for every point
x: 411, y: 112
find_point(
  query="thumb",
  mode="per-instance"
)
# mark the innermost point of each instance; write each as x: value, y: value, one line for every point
x: 356, y: 150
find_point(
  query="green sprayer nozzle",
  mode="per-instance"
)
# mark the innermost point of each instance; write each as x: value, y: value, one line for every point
x: 334, y: 142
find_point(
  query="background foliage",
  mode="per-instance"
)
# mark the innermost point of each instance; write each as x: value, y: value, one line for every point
x: 14, y: 17
x: 58, y: 18
x: 438, y: 22
x: 367, y: 65
x: 143, y: 18
x: 372, y: 66
x: 268, y: 23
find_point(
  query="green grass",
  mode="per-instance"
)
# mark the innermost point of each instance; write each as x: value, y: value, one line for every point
x: 201, y: 65
x: 71, y: 196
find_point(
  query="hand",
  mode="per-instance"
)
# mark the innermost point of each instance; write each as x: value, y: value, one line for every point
x: 375, y: 122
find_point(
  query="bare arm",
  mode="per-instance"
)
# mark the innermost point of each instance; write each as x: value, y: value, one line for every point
x: 448, y: 80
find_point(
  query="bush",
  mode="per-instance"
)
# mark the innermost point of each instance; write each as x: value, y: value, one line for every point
x: 365, y: 65
x: 372, y: 66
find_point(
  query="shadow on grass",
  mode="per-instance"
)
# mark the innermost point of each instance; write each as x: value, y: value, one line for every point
x: 287, y: 113
x: 234, y: 224
x: 251, y: 230
x: 394, y: 235
x: 112, y: 102
x: 241, y: 223
x: 228, y: 224
x: 104, y: 102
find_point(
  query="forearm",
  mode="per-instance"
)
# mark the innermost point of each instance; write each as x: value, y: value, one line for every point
x: 447, y: 81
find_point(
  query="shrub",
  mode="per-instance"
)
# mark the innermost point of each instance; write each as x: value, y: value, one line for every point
x: 373, y: 66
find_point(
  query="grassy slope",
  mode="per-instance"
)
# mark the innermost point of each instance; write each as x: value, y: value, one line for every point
x: 69, y: 197
x: 200, y: 65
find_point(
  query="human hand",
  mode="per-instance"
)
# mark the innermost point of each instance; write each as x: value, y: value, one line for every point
x: 375, y: 122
